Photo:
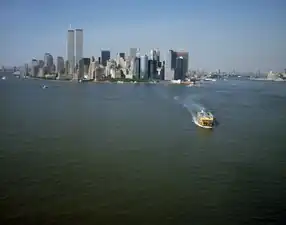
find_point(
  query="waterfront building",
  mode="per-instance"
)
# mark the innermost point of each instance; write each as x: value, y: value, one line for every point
x: 122, y: 55
x: 34, y: 68
x: 144, y: 67
x: 170, y: 64
x: 151, y: 69
x: 137, y: 68
x: 185, y: 56
x: 179, y: 71
x: 78, y: 45
x: 105, y: 56
x: 60, y: 67
x: 132, y: 52
x: 70, y: 51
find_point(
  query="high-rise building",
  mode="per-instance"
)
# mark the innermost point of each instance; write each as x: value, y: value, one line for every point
x: 92, y: 68
x: 151, y: 69
x: 122, y: 55
x: 67, y: 66
x: 48, y: 63
x: 86, y: 63
x: 60, y: 65
x: 41, y: 63
x: 157, y: 57
x: 133, y: 52
x: 137, y: 69
x: 105, y: 56
x: 81, y: 69
x: 70, y: 51
x: 78, y: 45
x: 179, y: 71
x: 170, y: 64
x: 26, y: 72
x: 185, y: 56
x: 34, y: 68
x: 144, y: 67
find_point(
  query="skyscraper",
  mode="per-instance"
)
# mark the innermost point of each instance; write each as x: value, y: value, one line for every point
x: 122, y: 55
x: 144, y: 67
x: 179, y: 71
x: 151, y: 69
x: 60, y: 65
x: 157, y: 57
x: 48, y: 63
x: 170, y: 64
x: 34, y: 68
x: 185, y: 56
x: 133, y: 52
x: 78, y: 45
x: 86, y: 64
x: 137, y: 69
x: 70, y: 51
x: 105, y: 56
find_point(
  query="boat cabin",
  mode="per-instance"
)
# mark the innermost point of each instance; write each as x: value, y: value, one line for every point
x: 205, y: 118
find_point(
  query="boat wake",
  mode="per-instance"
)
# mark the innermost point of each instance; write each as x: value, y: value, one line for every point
x: 191, y: 104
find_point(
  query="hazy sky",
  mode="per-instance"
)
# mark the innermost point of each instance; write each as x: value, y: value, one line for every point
x: 225, y: 34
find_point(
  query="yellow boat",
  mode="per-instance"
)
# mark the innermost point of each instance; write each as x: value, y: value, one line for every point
x: 204, y: 119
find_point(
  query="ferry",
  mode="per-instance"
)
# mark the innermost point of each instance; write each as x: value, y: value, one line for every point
x: 204, y: 119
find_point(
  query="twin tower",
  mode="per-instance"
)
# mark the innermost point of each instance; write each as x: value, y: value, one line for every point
x: 74, y: 48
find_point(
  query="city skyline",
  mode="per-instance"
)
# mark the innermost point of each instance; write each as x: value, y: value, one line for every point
x: 227, y: 34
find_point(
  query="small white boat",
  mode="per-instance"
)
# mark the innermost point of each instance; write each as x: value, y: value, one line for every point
x: 44, y: 86
x: 209, y: 79
x: 3, y: 78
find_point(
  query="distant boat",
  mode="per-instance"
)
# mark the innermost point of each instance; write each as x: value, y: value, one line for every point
x: 209, y: 79
x: 3, y: 78
x: 44, y: 86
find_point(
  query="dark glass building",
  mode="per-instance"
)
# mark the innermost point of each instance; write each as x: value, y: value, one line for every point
x: 137, y: 67
x: 173, y: 59
x: 151, y: 69
x: 81, y: 69
x: 105, y: 56
x: 179, y: 71
x: 185, y: 56
x: 122, y: 55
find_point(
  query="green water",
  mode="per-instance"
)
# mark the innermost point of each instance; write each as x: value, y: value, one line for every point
x: 130, y: 154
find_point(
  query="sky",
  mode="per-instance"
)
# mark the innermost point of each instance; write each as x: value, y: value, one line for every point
x: 245, y: 35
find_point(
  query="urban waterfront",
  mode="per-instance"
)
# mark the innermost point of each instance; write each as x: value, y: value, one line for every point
x: 130, y: 154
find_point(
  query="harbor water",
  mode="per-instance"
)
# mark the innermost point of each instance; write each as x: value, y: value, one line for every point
x: 130, y: 154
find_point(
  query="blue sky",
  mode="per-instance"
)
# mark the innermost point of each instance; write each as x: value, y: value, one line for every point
x: 243, y: 34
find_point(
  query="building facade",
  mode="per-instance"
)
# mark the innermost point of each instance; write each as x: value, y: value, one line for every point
x: 122, y: 55
x: 179, y: 71
x: 144, y: 67
x: 60, y: 65
x: 78, y: 45
x: 34, y: 68
x: 70, y: 51
x: 48, y: 63
x: 137, y: 68
x: 133, y: 52
x: 185, y: 56
x: 105, y: 56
